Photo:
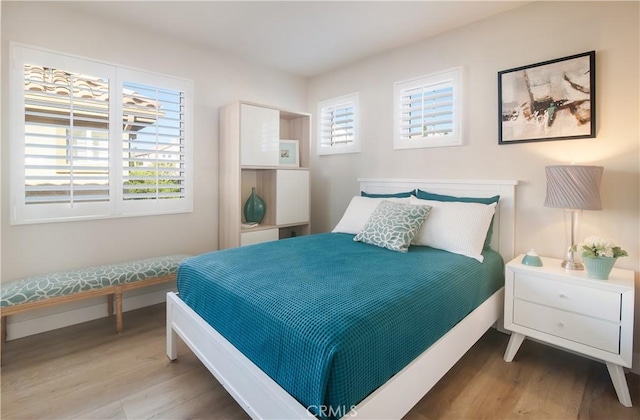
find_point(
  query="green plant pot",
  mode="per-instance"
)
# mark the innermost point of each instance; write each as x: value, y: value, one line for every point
x: 599, y: 267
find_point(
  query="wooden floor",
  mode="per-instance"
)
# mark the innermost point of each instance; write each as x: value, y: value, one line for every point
x: 87, y: 371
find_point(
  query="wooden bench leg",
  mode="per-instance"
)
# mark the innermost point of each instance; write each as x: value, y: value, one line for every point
x: 3, y: 334
x: 118, y: 299
x: 110, y: 305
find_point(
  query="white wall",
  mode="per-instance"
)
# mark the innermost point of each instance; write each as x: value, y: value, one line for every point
x: 218, y: 80
x: 533, y: 33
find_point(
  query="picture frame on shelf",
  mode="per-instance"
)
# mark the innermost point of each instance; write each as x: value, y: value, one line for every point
x: 551, y: 100
x: 289, y: 153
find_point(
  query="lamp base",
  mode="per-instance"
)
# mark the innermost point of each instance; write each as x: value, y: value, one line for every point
x: 572, y: 223
x: 571, y: 265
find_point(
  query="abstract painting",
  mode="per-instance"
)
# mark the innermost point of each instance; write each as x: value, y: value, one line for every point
x: 553, y: 100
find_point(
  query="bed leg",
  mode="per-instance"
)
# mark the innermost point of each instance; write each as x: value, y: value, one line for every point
x: 172, y: 349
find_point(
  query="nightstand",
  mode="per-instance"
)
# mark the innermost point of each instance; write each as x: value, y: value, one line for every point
x: 572, y: 311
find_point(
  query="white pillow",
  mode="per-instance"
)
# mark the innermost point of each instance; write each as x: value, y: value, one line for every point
x: 359, y: 211
x: 455, y: 226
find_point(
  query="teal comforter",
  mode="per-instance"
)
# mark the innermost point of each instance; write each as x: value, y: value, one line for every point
x: 330, y: 319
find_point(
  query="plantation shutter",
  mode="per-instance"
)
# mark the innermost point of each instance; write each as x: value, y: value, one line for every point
x: 66, y: 144
x: 338, y: 125
x: 427, y: 111
x: 93, y: 140
x: 153, y: 142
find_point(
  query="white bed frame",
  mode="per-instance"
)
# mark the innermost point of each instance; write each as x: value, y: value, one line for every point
x: 263, y: 398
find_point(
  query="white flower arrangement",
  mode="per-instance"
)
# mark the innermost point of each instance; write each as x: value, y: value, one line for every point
x: 594, y: 246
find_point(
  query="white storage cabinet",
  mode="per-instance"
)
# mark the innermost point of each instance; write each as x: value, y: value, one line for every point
x: 249, y: 158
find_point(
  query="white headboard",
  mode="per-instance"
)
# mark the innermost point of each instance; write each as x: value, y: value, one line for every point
x: 503, y: 239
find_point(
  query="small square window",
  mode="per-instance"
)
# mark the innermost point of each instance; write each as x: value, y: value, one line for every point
x: 428, y: 111
x: 338, y: 125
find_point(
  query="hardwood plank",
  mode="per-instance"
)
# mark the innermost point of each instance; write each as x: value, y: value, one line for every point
x: 555, y: 386
x: 213, y: 404
x: 86, y: 371
x: 542, y: 383
x: 168, y: 394
x: 112, y: 411
x: 600, y: 399
x: 472, y: 399
x: 77, y: 381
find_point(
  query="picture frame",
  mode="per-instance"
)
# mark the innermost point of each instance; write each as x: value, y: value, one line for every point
x: 551, y: 100
x: 289, y: 153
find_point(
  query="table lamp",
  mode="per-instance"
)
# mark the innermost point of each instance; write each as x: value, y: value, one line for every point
x: 573, y: 188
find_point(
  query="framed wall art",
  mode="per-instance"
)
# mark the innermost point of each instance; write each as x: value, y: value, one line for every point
x: 289, y: 155
x: 552, y: 100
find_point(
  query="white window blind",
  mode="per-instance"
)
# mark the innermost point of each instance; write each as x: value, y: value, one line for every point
x: 337, y: 126
x: 94, y: 140
x: 428, y: 111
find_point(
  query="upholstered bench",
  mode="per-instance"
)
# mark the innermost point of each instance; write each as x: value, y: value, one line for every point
x: 67, y: 286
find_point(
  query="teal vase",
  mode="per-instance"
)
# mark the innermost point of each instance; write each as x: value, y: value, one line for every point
x: 599, y: 267
x: 254, y: 208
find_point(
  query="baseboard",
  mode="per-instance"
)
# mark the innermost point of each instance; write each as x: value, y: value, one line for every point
x: 47, y: 319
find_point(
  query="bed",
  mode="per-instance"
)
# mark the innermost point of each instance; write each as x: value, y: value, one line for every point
x: 326, y: 390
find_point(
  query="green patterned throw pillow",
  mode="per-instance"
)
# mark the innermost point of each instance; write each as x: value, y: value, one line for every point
x: 393, y: 225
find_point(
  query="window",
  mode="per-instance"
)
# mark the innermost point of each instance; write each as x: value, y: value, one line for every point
x: 95, y: 140
x: 338, y: 125
x: 428, y: 111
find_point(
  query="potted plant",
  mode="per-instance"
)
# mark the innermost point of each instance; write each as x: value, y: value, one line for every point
x: 599, y: 256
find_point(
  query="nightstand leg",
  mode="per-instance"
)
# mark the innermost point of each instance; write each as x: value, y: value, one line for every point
x: 619, y: 383
x: 514, y: 344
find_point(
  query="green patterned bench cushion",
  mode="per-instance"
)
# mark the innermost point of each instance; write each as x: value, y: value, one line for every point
x: 47, y: 286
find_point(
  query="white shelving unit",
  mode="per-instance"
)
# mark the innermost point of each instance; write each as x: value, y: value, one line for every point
x: 249, y: 157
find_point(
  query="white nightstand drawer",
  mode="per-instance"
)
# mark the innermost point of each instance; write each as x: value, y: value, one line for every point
x: 583, y: 300
x: 585, y: 330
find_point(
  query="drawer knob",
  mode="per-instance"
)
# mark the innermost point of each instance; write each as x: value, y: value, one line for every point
x: 560, y: 324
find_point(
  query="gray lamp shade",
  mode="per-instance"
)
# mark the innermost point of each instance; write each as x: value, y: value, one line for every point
x: 574, y: 187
